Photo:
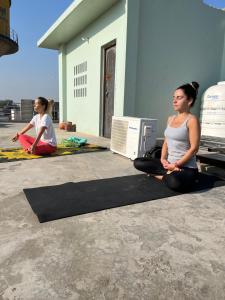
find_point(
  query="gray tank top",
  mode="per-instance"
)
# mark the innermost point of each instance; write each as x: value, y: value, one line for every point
x: 178, y: 143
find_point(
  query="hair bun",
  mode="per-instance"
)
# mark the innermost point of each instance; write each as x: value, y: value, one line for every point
x: 51, y: 101
x: 195, y: 84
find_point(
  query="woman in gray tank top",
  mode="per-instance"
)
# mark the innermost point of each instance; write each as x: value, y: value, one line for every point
x: 177, y: 166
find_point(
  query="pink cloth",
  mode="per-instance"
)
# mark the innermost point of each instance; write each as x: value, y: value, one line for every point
x: 42, y: 148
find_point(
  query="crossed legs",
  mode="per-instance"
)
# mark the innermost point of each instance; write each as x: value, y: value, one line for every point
x: 42, y: 148
x: 177, y: 180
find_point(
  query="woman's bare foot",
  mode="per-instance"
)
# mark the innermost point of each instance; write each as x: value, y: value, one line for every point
x: 156, y: 176
x: 160, y: 177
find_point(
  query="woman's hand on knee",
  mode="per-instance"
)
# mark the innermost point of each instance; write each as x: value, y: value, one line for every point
x: 15, y: 138
x: 31, y: 149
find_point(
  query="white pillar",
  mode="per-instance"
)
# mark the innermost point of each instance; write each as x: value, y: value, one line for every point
x: 62, y: 84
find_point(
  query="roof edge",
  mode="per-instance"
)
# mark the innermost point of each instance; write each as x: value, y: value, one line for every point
x: 72, y: 21
x: 61, y: 18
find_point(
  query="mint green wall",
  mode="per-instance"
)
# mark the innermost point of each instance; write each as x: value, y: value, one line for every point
x: 179, y: 41
x: 85, y: 112
x: 222, y: 74
x: 132, y: 48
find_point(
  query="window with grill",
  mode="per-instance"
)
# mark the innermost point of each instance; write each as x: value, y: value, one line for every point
x: 2, y: 13
x: 80, y: 80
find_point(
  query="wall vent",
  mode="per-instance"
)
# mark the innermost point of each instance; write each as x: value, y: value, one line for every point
x: 80, y: 80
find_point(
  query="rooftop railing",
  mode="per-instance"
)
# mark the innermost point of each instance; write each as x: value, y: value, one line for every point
x: 13, y: 35
x: 8, y: 42
x: 10, y: 33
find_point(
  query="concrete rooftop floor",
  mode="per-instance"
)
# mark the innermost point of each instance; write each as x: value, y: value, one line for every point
x: 171, y: 248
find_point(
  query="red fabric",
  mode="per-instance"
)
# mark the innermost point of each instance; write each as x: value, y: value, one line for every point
x: 42, y: 148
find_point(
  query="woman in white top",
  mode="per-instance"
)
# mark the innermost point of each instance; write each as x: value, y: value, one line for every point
x: 177, y: 166
x: 45, y: 142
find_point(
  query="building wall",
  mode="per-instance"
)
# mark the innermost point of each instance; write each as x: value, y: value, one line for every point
x: 132, y: 48
x: 85, y: 111
x: 4, y: 17
x: 178, y: 42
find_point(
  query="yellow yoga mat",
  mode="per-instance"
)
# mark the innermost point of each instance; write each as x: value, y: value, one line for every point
x: 16, y: 154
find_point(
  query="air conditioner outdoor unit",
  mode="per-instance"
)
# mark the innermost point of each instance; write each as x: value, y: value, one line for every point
x: 132, y: 137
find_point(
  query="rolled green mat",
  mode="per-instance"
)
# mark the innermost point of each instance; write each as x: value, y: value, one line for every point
x: 67, y: 143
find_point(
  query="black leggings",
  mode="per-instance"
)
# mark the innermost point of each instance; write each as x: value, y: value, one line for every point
x: 181, y: 181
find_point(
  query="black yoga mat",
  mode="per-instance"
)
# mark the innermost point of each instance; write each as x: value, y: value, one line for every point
x: 70, y: 199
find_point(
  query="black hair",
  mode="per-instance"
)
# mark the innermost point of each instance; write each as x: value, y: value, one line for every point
x: 44, y: 102
x: 190, y: 90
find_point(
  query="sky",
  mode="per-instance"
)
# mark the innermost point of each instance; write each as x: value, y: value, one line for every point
x: 32, y: 71
x: 215, y: 3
